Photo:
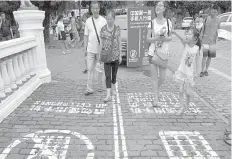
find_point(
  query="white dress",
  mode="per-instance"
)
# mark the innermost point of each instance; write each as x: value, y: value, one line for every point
x: 184, y: 74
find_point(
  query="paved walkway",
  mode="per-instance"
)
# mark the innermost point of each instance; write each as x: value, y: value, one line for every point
x: 58, y: 121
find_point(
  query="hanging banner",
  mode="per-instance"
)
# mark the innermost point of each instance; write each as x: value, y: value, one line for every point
x: 137, y: 47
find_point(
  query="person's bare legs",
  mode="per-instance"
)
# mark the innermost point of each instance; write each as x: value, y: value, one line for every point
x: 66, y: 46
x: 91, y: 63
x: 62, y: 46
x: 181, y: 98
x: 207, y: 65
x: 154, y: 77
x: 161, y: 79
x: 203, y: 64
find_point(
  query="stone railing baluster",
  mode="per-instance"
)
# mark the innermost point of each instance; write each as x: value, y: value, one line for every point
x: 17, y: 70
x: 11, y: 73
x: 22, y: 68
x: 31, y: 63
x: 5, y: 76
x: 26, y: 64
x: 35, y: 61
x: 2, y: 92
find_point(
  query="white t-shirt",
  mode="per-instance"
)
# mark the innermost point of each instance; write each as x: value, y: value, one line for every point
x: 157, y: 28
x: 93, y: 45
x: 60, y: 26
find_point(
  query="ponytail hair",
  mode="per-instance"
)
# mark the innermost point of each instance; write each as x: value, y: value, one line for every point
x: 196, y: 34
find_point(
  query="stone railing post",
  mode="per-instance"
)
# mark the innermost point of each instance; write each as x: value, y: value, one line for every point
x: 31, y: 24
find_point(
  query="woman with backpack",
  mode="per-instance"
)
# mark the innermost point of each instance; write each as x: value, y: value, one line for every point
x: 159, y: 35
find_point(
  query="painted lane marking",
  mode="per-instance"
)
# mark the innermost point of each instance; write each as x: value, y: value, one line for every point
x: 142, y: 103
x: 124, y: 148
x: 182, y: 144
x: 71, y: 108
x: 44, y: 146
x: 220, y: 73
x: 116, y: 142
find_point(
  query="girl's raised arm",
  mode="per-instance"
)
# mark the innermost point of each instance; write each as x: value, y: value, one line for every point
x: 178, y: 36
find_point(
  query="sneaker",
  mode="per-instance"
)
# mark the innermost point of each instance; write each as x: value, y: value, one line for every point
x: 202, y: 74
x: 206, y: 73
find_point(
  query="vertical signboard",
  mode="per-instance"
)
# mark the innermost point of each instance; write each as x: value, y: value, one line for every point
x: 137, y: 47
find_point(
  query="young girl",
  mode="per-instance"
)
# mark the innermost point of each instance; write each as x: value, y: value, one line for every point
x: 190, y: 58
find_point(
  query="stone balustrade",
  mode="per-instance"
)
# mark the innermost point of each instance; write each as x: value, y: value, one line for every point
x: 18, y: 72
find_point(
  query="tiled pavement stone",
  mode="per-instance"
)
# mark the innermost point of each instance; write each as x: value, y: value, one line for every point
x: 61, y: 105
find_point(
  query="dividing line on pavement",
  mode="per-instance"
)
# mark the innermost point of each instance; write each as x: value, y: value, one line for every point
x: 220, y: 73
x: 124, y: 148
x: 116, y: 144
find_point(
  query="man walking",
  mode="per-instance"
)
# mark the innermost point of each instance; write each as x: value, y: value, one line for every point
x: 92, y: 42
x: 209, y: 35
x: 74, y: 32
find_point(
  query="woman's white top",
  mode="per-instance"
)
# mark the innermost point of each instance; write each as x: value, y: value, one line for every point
x: 60, y: 26
x: 157, y: 28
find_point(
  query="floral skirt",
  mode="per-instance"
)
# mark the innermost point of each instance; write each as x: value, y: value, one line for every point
x: 182, y: 78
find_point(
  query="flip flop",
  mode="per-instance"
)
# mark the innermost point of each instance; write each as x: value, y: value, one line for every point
x: 227, y: 137
x: 107, y: 99
x: 88, y: 92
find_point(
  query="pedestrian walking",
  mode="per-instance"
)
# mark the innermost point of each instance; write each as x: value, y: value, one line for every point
x: 93, y: 27
x: 159, y: 35
x: 209, y: 35
x: 5, y: 28
x: 110, y: 53
x: 82, y: 40
x: 74, y: 35
x: 62, y: 35
x: 81, y: 31
x: 190, y: 59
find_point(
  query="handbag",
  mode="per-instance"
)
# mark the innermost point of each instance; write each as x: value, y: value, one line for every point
x: 156, y: 59
x: 105, y: 55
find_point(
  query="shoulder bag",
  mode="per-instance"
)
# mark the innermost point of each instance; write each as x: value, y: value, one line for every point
x: 105, y: 55
x: 96, y: 31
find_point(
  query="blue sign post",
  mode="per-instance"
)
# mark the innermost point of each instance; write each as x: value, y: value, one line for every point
x: 137, y: 47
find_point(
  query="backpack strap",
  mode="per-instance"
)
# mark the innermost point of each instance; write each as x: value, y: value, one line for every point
x: 168, y: 27
x: 151, y: 27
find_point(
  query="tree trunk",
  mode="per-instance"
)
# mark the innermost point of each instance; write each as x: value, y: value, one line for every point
x: 46, y: 24
x: 79, y: 8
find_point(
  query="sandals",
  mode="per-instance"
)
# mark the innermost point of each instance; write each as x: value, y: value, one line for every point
x: 155, y: 104
x: 107, y: 99
x: 113, y: 91
x: 227, y: 137
x: 87, y: 92
x: 206, y: 73
x: 202, y: 74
